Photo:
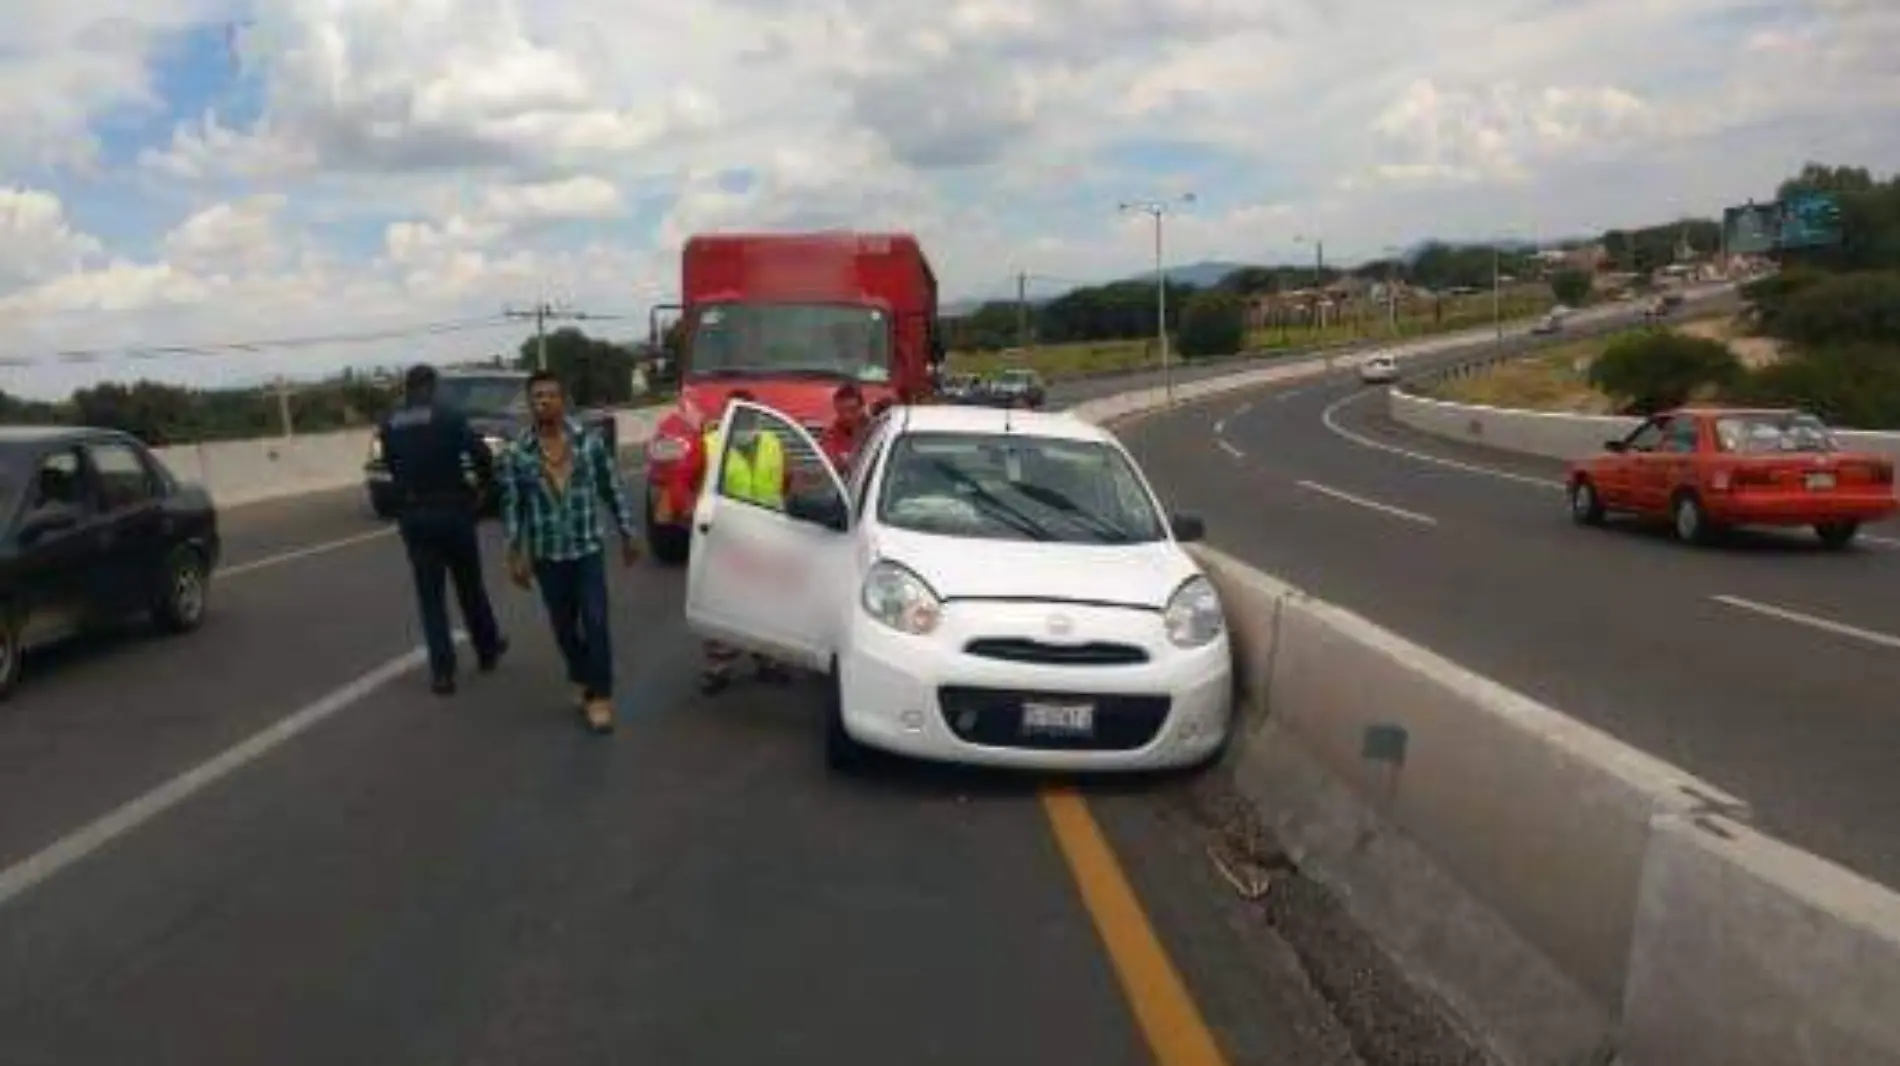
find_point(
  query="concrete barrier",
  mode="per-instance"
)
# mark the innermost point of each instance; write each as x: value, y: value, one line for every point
x: 240, y: 472
x: 1557, y: 888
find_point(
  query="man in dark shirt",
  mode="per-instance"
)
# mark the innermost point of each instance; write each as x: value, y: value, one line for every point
x: 426, y: 446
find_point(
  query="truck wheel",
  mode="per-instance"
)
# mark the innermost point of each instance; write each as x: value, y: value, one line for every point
x: 12, y: 649
x: 668, y: 544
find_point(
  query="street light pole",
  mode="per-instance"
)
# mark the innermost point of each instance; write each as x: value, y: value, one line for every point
x: 1157, y: 210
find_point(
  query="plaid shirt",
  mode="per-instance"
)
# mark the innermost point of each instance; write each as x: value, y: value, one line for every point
x: 558, y: 526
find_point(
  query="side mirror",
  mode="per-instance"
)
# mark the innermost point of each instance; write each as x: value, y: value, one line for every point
x: 1187, y: 528
x: 824, y: 508
x: 48, y: 520
x: 1616, y: 445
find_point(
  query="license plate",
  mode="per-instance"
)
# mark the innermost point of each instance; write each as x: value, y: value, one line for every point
x: 1820, y: 482
x: 1075, y: 719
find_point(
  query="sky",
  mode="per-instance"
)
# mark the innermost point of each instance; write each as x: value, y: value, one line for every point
x: 217, y: 176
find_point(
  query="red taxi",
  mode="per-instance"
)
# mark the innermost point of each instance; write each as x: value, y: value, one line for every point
x: 1707, y: 468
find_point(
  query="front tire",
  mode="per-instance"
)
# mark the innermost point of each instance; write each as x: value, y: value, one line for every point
x: 843, y: 754
x: 1586, y: 507
x: 186, y: 593
x: 1837, y: 535
x: 668, y: 544
x: 12, y: 650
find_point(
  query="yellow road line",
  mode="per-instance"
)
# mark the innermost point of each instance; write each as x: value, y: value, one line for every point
x: 1165, y: 1012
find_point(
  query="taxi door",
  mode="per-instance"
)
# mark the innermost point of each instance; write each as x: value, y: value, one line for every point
x: 771, y: 580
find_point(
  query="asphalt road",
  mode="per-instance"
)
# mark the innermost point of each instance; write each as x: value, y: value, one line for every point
x: 372, y: 874
x: 1767, y: 666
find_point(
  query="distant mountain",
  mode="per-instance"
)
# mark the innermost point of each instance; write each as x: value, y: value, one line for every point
x: 1200, y: 275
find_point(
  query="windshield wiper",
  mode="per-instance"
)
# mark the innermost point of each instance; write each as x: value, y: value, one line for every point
x: 1107, y: 531
x: 999, y: 509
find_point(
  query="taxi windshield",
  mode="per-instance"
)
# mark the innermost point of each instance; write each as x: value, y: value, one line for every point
x: 1015, y: 487
x: 1770, y: 434
x: 820, y: 340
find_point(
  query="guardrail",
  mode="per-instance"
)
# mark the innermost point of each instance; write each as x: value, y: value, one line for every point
x: 1573, y: 899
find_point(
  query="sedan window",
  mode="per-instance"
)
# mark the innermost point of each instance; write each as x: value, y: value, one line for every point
x: 1014, y: 487
x: 124, y: 480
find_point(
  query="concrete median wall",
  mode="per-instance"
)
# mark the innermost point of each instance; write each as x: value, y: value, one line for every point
x: 240, y: 472
x: 1559, y: 889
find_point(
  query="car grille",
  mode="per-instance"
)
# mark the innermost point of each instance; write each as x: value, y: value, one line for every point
x: 994, y: 718
x: 1094, y: 653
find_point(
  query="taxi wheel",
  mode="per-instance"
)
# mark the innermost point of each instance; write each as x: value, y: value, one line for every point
x: 1837, y: 535
x: 1586, y: 508
x: 11, y: 650
x: 843, y: 754
x: 1691, y: 520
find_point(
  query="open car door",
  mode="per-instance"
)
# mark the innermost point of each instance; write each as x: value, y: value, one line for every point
x: 768, y: 578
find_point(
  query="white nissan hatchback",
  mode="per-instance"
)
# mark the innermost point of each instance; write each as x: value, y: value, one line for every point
x: 992, y: 587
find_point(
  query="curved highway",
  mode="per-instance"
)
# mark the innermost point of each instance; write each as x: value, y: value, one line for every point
x: 266, y: 842
x: 1769, y: 667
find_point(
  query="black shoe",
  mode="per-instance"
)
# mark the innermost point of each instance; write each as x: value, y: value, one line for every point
x: 487, y: 663
x: 443, y: 686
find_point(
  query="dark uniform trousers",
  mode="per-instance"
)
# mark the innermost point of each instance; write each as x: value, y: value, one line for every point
x: 443, y: 547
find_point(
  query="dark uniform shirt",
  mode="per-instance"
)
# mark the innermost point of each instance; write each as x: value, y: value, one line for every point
x: 426, y: 447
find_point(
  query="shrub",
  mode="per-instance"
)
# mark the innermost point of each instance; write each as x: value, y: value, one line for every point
x: 1842, y: 309
x: 1654, y: 370
x: 1857, y: 386
x: 1213, y: 323
x: 1571, y: 287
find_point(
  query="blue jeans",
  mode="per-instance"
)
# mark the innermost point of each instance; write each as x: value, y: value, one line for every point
x: 575, y: 592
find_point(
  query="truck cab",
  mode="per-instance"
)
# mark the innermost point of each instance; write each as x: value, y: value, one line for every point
x: 788, y: 317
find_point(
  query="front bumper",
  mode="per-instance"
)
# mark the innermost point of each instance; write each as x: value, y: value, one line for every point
x: 929, y: 698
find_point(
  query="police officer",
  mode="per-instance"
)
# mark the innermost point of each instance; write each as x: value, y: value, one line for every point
x: 425, y: 445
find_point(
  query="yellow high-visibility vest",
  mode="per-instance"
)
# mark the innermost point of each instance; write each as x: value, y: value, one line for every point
x: 759, y: 479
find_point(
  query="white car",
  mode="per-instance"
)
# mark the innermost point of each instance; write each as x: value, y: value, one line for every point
x: 992, y: 587
x: 1379, y: 369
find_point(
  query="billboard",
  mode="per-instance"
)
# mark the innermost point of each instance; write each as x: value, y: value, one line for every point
x: 1803, y: 220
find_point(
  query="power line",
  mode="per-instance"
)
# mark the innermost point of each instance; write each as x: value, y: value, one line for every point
x: 543, y: 313
x: 249, y: 347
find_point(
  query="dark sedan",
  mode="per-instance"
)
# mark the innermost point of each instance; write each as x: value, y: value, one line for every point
x: 496, y: 402
x: 96, y: 530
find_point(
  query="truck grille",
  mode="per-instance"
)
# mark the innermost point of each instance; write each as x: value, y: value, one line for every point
x: 1019, y: 650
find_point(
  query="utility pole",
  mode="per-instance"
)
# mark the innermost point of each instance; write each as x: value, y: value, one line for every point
x: 1497, y: 291
x: 283, y: 406
x: 1157, y: 210
x: 1022, y: 309
x: 1319, y: 278
x: 542, y: 313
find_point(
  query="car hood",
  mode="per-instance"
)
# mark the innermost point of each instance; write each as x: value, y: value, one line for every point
x: 1141, y: 575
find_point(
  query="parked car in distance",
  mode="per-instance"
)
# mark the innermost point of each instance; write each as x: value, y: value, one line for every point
x: 1378, y: 369
x: 1552, y: 322
x: 96, y: 530
x: 960, y: 388
x: 1706, y: 469
x: 496, y: 402
x: 990, y: 587
x: 1017, y: 387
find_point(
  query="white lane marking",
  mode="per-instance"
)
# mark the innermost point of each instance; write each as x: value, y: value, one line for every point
x: 49, y: 861
x: 1882, y: 542
x: 1341, y: 494
x: 1330, y: 418
x: 303, y: 553
x: 1884, y: 640
x: 1230, y: 449
x: 1220, y: 427
x: 1242, y: 409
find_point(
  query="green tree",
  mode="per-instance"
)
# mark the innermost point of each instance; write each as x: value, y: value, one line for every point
x: 1571, y: 287
x: 1212, y: 323
x: 1654, y: 370
x: 1855, y: 308
x: 597, y: 373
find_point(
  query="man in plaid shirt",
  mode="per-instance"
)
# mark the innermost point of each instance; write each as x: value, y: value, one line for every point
x: 554, y: 482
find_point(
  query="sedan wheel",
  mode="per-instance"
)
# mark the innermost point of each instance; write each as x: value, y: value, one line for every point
x: 10, y: 652
x: 1692, y: 522
x: 181, y: 606
x: 1585, y: 508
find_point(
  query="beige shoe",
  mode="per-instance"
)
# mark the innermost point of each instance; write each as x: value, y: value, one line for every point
x: 600, y: 715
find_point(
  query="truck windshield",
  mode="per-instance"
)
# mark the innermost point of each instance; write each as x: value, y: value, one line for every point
x: 483, y: 396
x: 829, y: 340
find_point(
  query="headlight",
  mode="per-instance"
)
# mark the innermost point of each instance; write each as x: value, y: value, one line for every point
x: 1193, y: 614
x: 666, y: 449
x: 900, y: 599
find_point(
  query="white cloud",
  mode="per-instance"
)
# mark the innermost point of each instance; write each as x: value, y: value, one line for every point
x: 428, y: 160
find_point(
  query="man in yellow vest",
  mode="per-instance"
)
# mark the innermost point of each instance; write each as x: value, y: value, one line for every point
x: 754, y: 473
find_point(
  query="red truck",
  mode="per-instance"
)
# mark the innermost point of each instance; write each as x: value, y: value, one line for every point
x: 790, y: 317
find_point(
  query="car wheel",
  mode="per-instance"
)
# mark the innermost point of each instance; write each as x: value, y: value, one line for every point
x: 1691, y: 520
x: 668, y: 544
x: 1586, y: 509
x: 186, y: 593
x: 1837, y: 535
x: 843, y: 754
x: 12, y: 651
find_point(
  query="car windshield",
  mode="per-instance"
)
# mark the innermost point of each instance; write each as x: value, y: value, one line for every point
x: 478, y: 395
x: 821, y: 340
x: 1768, y: 434
x: 997, y: 487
